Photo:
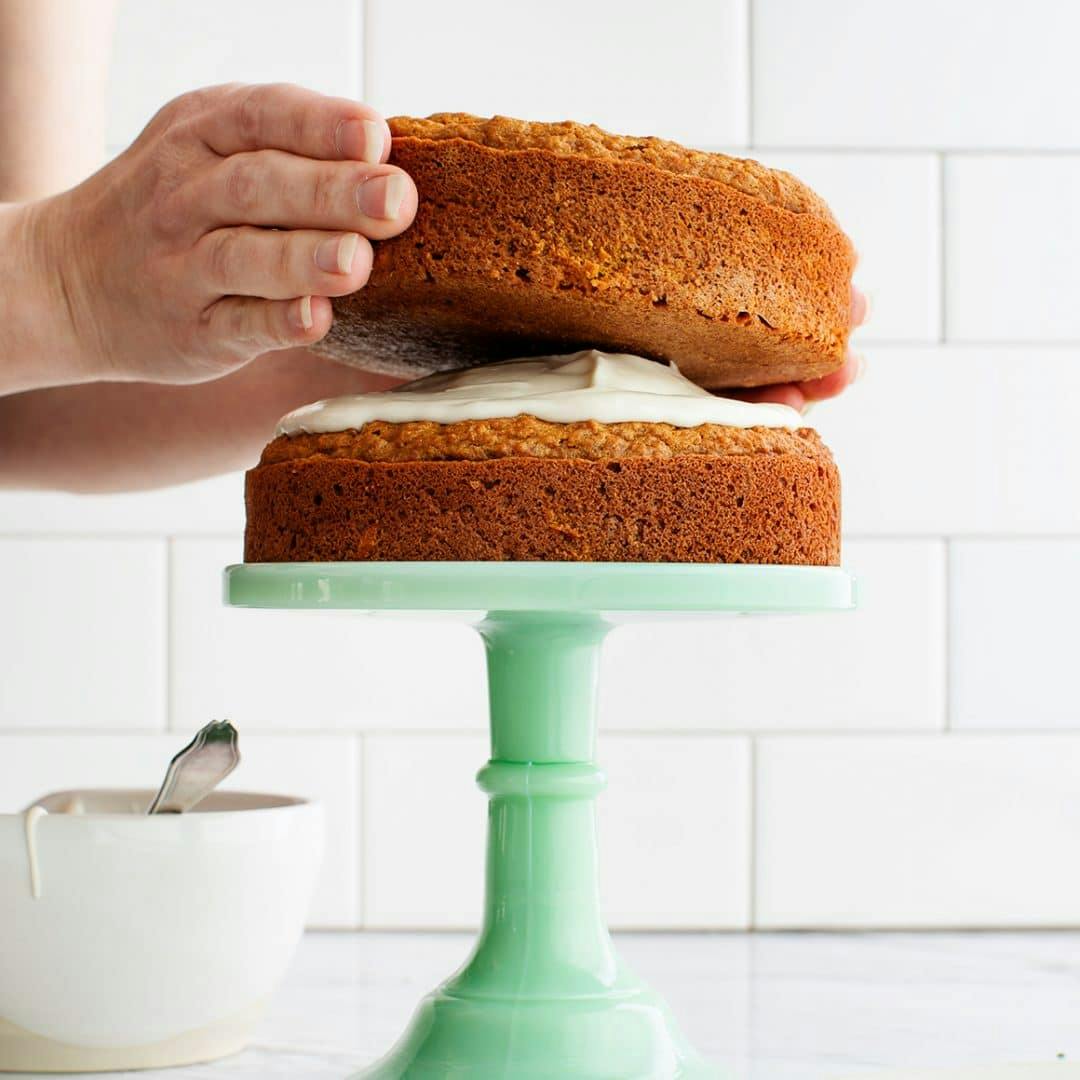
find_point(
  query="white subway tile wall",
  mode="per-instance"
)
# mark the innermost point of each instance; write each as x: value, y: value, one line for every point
x: 1013, y: 607
x: 891, y: 205
x: 916, y: 763
x: 964, y: 74
x: 917, y: 830
x: 674, y: 824
x: 162, y: 49
x: 879, y: 668
x: 83, y: 634
x: 273, y: 670
x: 959, y: 440
x: 1011, y: 226
x: 642, y: 69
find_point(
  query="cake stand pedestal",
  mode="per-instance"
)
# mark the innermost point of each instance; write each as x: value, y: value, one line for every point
x: 544, y: 993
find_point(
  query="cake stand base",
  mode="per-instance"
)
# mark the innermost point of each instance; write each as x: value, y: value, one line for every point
x: 544, y: 993
x: 614, y: 1036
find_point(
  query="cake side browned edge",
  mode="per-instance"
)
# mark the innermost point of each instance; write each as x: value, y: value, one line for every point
x: 768, y: 507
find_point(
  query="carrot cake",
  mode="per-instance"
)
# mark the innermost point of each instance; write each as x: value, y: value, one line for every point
x: 589, y: 457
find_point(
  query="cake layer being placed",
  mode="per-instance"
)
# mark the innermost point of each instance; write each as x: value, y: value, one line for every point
x: 532, y: 238
x: 523, y: 489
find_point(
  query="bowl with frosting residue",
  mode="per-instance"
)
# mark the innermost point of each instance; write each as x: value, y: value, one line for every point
x: 131, y: 941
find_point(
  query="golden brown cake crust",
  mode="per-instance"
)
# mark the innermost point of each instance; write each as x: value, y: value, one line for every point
x: 527, y: 436
x: 773, y: 186
x: 778, y: 503
x: 578, y: 239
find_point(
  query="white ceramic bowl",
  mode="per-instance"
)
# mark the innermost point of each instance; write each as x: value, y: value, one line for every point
x: 155, y: 940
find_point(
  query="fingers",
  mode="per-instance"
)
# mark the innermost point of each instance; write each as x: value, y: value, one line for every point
x: 284, y: 117
x: 246, y: 327
x: 821, y: 389
x: 781, y: 394
x: 860, y: 307
x: 279, y: 265
x: 801, y: 394
x: 274, y: 188
x: 835, y: 382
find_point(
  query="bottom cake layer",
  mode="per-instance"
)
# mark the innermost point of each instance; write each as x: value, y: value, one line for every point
x: 744, y: 508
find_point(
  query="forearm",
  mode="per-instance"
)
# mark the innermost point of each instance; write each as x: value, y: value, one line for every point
x: 53, y: 71
x: 130, y: 436
x: 114, y: 437
x: 38, y: 347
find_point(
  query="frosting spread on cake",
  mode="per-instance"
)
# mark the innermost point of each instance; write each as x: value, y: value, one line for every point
x: 608, y: 388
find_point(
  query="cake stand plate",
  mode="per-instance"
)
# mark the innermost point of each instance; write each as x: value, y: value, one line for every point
x: 544, y: 993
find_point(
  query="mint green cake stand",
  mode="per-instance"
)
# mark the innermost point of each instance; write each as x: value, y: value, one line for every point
x: 544, y: 993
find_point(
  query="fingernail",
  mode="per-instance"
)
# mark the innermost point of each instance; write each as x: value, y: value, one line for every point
x: 382, y: 196
x: 374, y: 141
x: 335, y: 255
x: 805, y: 410
x: 301, y: 313
x: 361, y: 140
x: 860, y: 368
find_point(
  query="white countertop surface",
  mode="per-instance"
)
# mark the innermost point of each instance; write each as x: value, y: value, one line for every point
x: 769, y: 1006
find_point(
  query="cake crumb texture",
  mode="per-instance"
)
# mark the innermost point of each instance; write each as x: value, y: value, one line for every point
x: 527, y: 436
x: 737, y: 508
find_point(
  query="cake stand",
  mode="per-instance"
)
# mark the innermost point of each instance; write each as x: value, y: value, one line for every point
x: 544, y: 993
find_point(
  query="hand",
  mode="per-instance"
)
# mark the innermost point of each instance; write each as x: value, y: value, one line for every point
x: 220, y: 233
x: 800, y: 395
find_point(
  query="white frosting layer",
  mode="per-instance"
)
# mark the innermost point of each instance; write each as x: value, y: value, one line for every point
x: 591, y: 385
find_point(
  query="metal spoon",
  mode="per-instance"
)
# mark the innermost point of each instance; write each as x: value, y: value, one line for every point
x: 198, y: 769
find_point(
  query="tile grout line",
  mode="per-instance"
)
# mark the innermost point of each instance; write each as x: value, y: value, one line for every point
x: 838, y: 150
x: 730, y: 734
x: 366, y: 51
x: 912, y: 150
x: 106, y: 533
x: 361, y: 902
x: 751, y: 885
x: 782, y: 148
x: 979, y: 536
x: 169, y: 677
x: 749, y: 43
x: 859, y: 535
x: 949, y: 631
x: 943, y: 265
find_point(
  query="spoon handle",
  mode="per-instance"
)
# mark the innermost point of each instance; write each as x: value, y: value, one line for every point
x: 198, y: 769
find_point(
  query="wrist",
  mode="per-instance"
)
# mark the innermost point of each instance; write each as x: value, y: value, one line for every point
x: 40, y: 345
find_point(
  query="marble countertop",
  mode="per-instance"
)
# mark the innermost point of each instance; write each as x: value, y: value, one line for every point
x: 768, y: 1006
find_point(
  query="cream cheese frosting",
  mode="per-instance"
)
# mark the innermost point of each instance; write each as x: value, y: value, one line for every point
x: 608, y: 388
x: 30, y: 821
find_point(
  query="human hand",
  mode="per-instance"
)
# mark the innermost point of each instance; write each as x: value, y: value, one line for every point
x: 801, y: 395
x: 220, y: 233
